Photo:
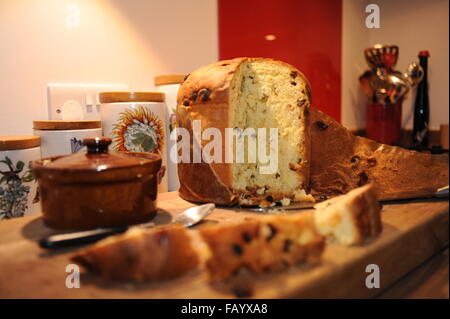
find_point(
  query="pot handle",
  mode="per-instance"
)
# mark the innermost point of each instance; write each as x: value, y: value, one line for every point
x: 97, y: 145
x: 156, y: 180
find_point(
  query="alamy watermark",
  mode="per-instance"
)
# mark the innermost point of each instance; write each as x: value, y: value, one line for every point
x: 373, y: 279
x: 262, y: 146
x: 73, y: 16
x: 73, y: 279
x: 373, y: 19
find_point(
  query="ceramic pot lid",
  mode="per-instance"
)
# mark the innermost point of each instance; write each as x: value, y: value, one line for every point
x: 98, y: 165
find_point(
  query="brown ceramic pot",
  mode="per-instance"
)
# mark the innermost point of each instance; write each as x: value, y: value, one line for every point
x: 97, y: 188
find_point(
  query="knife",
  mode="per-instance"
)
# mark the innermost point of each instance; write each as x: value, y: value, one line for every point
x: 188, y: 218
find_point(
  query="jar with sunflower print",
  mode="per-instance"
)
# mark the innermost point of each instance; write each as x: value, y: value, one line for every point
x: 136, y: 122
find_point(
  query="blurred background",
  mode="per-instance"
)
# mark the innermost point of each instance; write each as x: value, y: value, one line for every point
x: 127, y: 43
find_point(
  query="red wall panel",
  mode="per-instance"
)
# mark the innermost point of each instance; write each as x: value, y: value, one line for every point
x: 308, y: 36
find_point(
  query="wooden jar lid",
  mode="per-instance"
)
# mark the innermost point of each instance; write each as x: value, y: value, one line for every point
x: 66, y: 125
x: 124, y: 97
x: 169, y: 79
x: 9, y: 143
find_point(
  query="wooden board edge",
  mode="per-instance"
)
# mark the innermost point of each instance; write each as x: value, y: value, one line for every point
x: 393, y: 260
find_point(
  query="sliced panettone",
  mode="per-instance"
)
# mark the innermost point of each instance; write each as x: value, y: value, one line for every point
x: 341, y: 161
x: 242, y: 95
x: 266, y: 244
x: 350, y: 218
x: 143, y: 255
x: 232, y: 245
x: 258, y: 245
x: 290, y: 240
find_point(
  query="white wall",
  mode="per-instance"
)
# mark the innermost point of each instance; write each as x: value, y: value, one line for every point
x: 413, y: 25
x: 118, y: 41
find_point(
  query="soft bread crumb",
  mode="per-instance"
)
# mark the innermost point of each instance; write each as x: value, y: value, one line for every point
x: 266, y: 203
x: 245, y: 202
x: 349, y: 219
x: 301, y: 196
x: 261, y: 191
x: 269, y: 94
x: 285, y: 201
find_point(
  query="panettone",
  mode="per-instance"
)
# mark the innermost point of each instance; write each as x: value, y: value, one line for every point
x: 240, y: 94
x: 314, y: 151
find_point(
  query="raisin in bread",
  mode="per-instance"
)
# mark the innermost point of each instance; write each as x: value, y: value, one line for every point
x: 258, y: 245
x: 350, y: 219
x: 239, y: 94
x: 341, y: 161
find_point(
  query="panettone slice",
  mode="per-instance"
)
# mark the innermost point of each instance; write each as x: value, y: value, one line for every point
x: 350, y: 218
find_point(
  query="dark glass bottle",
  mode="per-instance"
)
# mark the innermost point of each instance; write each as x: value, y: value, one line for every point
x: 422, y: 106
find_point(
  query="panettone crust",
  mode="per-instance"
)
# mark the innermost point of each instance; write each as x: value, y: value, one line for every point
x: 156, y: 255
x: 341, y: 161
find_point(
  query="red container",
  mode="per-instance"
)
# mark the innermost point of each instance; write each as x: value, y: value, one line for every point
x: 384, y: 122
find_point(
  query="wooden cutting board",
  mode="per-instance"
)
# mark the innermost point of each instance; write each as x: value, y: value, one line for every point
x: 413, y: 231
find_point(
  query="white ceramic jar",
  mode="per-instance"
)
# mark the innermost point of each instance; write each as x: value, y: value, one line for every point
x: 136, y: 122
x: 65, y: 137
x: 169, y: 85
x: 18, y: 187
